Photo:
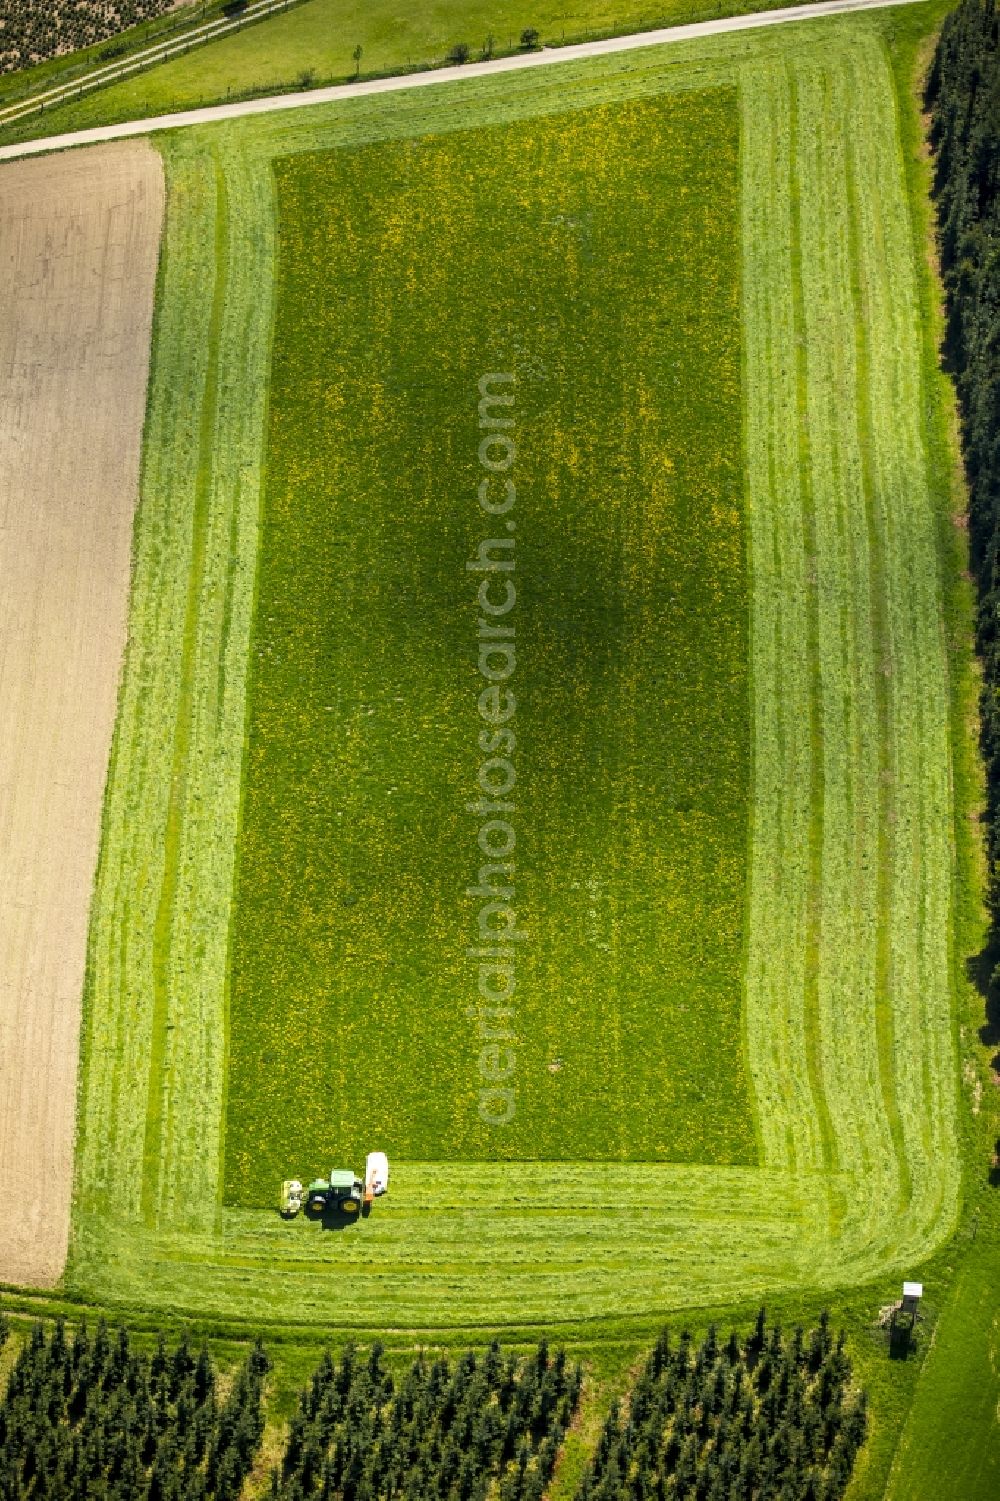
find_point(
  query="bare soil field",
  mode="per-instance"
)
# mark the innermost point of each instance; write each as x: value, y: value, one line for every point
x: 79, y: 240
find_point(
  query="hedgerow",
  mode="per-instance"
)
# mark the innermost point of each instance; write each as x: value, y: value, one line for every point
x: 30, y: 33
x: 964, y: 95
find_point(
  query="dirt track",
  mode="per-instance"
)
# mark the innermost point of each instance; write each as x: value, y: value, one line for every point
x: 79, y: 237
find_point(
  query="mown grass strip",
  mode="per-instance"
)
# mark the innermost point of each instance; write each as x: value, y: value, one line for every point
x: 484, y: 1243
x: 846, y: 872
x: 850, y: 274
x: 923, y: 861
x: 181, y: 757
x: 878, y: 708
x: 776, y: 973
x: 160, y: 923
x: 119, y: 1001
x: 802, y: 210
x: 196, y: 1062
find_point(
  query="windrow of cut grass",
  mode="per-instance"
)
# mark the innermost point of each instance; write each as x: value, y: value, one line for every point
x: 848, y: 1027
x: 848, y: 980
x: 155, y: 1033
x: 478, y: 1246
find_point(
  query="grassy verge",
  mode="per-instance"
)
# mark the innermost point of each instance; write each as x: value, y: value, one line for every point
x: 950, y: 1445
x: 72, y: 65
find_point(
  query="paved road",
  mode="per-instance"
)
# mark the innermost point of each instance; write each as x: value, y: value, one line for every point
x: 545, y: 58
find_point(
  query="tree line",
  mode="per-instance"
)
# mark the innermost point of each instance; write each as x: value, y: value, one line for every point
x: 32, y: 33
x: 963, y: 95
x: 485, y: 1425
x: 89, y: 1418
x: 771, y: 1418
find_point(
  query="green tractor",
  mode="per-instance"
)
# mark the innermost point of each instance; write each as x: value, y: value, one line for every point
x: 341, y: 1193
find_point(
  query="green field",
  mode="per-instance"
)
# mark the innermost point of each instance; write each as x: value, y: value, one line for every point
x: 628, y: 730
x: 847, y: 955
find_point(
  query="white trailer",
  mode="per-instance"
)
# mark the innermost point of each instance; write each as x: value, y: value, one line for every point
x: 376, y: 1175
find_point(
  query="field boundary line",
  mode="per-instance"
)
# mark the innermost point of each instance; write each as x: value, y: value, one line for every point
x: 334, y: 93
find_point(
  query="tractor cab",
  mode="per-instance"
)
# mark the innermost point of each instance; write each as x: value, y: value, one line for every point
x: 345, y: 1191
x: 317, y: 1195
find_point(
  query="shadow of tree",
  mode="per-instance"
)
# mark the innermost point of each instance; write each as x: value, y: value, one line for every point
x: 981, y: 970
x: 995, y: 1168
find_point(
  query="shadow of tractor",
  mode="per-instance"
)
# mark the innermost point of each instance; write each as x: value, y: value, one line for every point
x: 332, y: 1216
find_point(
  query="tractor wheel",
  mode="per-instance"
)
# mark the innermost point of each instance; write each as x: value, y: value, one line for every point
x: 350, y: 1206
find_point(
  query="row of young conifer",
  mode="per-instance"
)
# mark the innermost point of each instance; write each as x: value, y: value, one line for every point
x: 32, y: 33
x: 488, y: 1425
x: 963, y: 94
x: 88, y: 1417
x: 771, y: 1418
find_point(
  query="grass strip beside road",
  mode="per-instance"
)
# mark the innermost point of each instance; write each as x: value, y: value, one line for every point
x: 313, y: 46
x: 61, y: 85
